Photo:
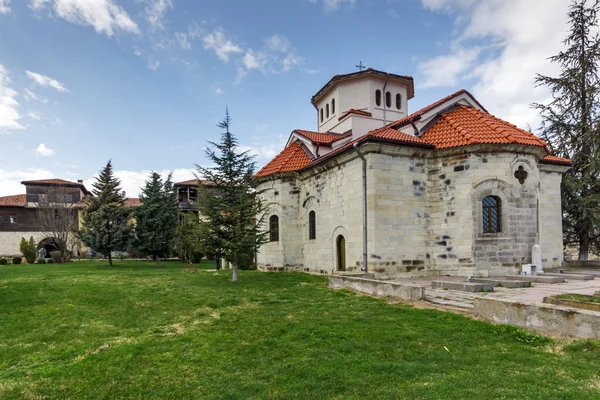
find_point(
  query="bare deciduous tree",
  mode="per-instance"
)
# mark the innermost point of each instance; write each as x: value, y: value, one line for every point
x: 57, y: 217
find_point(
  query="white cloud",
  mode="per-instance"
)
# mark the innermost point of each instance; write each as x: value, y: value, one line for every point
x: 183, y: 41
x: 156, y: 10
x: 4, y: 6
x: 222, y: 46
x: 291, y: 60
x: 30, y: 95
x: 34, y: 115
x: 9, y: 106
x: 253, y: 60
x: 218, y: 90
x: 446, y: 70
x: 332, y: 5
x: 10, y: 181
x: 103, y: 15
x: 45, y: 81
x: 133, y: 181
x: 277, y: 43
x: 152, y: 64
x: 42, y: 150
x: 518, y: 47
x: 446, y: 5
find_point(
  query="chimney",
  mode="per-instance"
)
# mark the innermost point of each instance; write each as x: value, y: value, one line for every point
x: 80, y: 181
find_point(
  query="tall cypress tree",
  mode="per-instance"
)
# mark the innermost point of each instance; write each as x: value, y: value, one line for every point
x: 106, y: 221
x: 157, y: 217
x: 230, y: 209
x: 571, y: 125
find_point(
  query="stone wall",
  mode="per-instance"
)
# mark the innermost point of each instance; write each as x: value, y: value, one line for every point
x: 9, y: 241
x: 424, y: 212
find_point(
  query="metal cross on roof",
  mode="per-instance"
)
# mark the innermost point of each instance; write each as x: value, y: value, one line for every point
x: 360, y: 66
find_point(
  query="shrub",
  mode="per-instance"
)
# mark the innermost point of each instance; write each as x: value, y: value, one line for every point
x: 41, y: 261
x: 50, y: 261
x: 56, y: 256
x: 3, y: 261
x: 17, y: 260
x: 28, y: 249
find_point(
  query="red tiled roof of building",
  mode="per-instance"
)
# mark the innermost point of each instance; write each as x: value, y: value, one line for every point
x: 557, y: 160
x: 132, y: 202
x: 356, y: 112
x: 18, y: 200
x: 417, y: 114
x: 465, y: 126
x: 292, y: 158
x: 384, y: 134
x: 51, y: 182
x: 194, y: 182
x: 321, y: 137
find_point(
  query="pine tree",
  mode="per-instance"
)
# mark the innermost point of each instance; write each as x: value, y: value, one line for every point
x: 229, y: 210
x: 106, y: 221
x: 571, y: 125
x: 156, y: 218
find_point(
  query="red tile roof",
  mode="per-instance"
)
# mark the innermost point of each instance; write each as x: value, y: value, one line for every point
x: 353, y: 111
x: 557, y: 160
x: 18, y: 200
x: 321, y: 137
x: 417, y: 114
x: 194, y: 182
x: 292, y: 158
x: 465, y: 126
x: 51, y: 182
x: 132, y: 202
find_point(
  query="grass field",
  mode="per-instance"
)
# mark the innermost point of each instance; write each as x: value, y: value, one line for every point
x: 84, y: 330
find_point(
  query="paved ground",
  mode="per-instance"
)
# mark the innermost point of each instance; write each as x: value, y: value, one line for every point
x: 533, y: 295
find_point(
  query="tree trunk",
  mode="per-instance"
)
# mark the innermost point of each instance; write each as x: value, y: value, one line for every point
x: 157, y: 258
x: 234, y: 278
x: 584, y: 247
x: 110, y: 264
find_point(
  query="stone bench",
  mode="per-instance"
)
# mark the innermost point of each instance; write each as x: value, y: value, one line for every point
x: 506, y: 283
x: 463, y: 286
x: 573, y: 277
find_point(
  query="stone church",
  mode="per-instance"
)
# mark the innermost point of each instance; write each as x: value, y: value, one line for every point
x: 446, y: 190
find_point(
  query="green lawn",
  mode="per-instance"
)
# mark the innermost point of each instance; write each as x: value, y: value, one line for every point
x: 84, y: 330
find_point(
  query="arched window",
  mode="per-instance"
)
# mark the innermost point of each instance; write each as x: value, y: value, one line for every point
x: 321, y: 115
x: 332, y: 106
x: 388, y: 99
x: 274, y: 228
x: 312, y: 225
x: 398, y: 101
x: 491, y: 209
x: 378, y: 97
x: 327, y: 111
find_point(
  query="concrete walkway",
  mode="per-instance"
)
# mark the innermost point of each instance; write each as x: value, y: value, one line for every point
x: 533, y: 295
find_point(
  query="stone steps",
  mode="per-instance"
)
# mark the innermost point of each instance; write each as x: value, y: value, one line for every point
x: 463, y: 286
x: 506, y: 283
x: 450, y: 302
x: 537, y: 278
x: 574, y: 277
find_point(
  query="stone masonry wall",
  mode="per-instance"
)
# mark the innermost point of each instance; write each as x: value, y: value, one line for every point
x: 9, y: 241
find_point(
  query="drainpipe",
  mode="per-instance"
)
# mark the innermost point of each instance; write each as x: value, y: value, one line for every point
x: 364, y: 190
x: 387, y: 77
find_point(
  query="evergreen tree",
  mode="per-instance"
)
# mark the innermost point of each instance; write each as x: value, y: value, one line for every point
x: 156, y: 218
x: 189, y: 245
x: 106, y: 221
x: 571, y: 125
x: 229, y: 210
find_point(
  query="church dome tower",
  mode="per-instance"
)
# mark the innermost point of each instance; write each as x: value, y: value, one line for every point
x: 359, y: 102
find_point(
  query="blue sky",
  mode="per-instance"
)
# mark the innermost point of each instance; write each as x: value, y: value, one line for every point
x: 144, y: 82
